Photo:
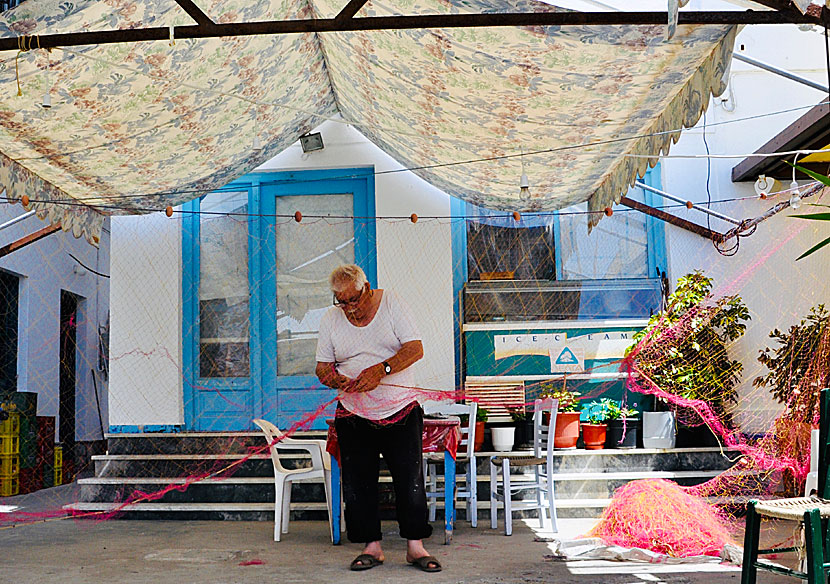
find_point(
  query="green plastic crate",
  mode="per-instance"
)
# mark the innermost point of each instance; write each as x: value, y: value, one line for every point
x: 28, y: 442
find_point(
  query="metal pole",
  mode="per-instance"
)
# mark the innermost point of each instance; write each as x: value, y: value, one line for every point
x: 17, y: 219
x: 781, y: 72
x: 694, y: 206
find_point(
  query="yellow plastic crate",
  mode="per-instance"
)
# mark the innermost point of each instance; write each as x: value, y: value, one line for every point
x: 58, y: 457
x: 10, y: 427
x: 58, y: 477
x: 9, y: 486
x: 9, y: 445
x: 9, y: 465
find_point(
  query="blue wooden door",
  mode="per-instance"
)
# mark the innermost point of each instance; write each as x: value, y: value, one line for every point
x: 297, y: 257
x: 255, y: 284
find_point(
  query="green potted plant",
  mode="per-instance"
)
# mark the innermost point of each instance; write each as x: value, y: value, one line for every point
x: 623, y: 424
x: 594, y: 429
x: 481, y: 419
x: 523, y: 421
x: 566, y: 431
x: 686, y: 350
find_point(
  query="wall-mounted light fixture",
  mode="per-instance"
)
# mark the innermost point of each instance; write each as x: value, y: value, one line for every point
x: 312, y: 142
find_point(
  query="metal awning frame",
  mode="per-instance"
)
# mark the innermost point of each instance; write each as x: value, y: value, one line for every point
x: 783, y: 12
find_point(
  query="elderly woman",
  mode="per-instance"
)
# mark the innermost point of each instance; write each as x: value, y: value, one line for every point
x: 367, y: 342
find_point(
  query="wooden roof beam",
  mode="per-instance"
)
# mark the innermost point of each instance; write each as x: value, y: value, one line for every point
x: 195, y: 12
x: 350, y: 10
x: 399, y: 23
x: 814, y: 11
x: 672, y: 219
x: 29, y: 239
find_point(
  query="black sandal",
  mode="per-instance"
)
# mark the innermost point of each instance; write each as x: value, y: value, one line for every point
x: 427, y: 564
x: 364, y: 562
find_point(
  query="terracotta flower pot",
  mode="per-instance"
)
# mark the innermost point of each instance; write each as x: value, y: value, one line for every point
x: 566, y: 431
x: 479, y: 439
x: 594, y: 436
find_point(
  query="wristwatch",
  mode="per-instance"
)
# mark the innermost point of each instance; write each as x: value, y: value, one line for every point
x: 387, y: 368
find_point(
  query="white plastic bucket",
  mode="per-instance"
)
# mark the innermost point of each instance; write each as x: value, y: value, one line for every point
x: 658, y: 430
x: 503, y: 438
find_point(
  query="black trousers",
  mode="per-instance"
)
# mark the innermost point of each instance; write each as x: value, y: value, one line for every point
x: 400, y: 442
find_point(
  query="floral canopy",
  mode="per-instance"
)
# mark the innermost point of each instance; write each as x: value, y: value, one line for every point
x: 135, y: 127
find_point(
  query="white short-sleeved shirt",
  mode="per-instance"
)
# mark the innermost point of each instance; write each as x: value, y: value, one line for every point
x: 354, y: 348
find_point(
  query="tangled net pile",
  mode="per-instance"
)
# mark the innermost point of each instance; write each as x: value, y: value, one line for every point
x: 661, y: 516
x: 680, y: 521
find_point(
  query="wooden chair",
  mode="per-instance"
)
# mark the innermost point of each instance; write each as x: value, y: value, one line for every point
x: 541, y: 464
x: 466, y: 453
x: 284, y: 478
x: 813, y: 510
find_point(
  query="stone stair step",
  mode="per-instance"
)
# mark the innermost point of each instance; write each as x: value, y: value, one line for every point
x: 193, y: 442
x: 230, y: 490
x: 636, y: 459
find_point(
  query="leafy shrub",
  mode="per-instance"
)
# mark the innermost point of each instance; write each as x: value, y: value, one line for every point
x: 790, y: 361
x: 686, y: 352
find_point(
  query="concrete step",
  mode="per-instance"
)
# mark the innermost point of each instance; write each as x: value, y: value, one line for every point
x: 635, y: 459
x: 194, y: 442
x: 230, y: 490
x: 183, y: 465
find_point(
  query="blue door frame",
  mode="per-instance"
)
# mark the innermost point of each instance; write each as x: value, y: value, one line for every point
x: 225, y: 404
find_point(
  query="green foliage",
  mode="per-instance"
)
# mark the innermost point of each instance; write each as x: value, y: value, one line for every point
x: 615, y: 410
x: 815, y: 216
x: 690, y: 358
x: 789, y: 362
x: 604, y: 410
x: 481, y: 416
x: 519, y: 413
x: 568, y: 400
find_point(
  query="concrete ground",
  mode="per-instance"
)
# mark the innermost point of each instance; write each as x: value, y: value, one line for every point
x: 182, y: 552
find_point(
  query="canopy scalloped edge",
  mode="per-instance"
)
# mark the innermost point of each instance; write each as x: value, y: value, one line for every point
x: 54, y: 206
x: 684, y: 111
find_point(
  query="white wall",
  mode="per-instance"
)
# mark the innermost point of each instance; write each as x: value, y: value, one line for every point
x: 46, y: 268
x: 146, y: 304
x: 777, y: 290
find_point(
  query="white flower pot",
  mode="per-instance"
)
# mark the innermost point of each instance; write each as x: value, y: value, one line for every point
x: 659, y: 430
x: 503, y: 438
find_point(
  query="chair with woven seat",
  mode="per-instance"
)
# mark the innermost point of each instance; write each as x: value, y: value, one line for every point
x: 813, y: 510
x: 541, y: 463
x: 466, y: 453
x: 284, y: 478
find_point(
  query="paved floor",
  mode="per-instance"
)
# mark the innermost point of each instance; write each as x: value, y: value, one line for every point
x: 182, y: 552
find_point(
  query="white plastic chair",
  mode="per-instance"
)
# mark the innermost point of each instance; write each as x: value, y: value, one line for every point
x: 542, y: 479
x: 283, y: 477
x: 466, y: 453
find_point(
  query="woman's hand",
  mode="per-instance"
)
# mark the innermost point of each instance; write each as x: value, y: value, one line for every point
x: 368, y: 379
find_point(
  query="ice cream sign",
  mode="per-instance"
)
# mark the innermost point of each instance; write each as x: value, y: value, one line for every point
x: 567, y: 355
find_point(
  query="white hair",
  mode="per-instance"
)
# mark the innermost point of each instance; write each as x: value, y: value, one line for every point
x: 347, y: 274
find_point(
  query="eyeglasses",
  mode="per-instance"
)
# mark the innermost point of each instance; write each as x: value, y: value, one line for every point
x: 348, y: 301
